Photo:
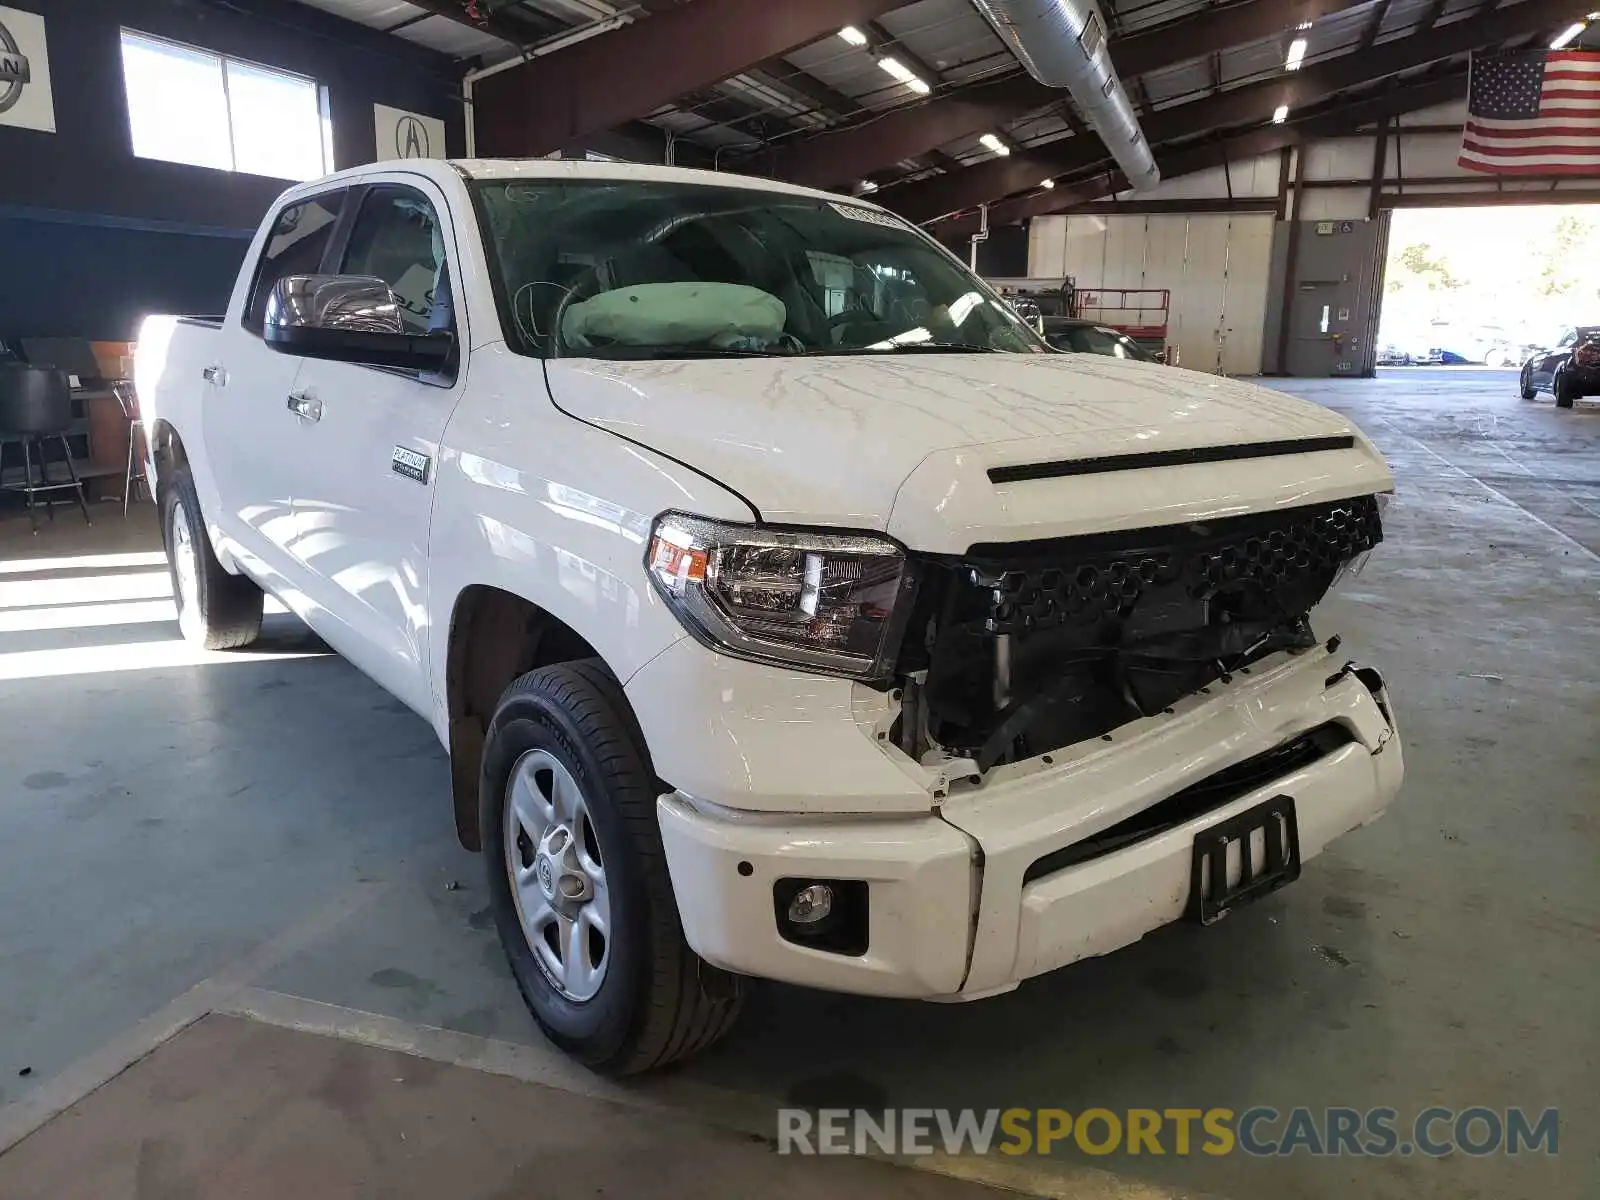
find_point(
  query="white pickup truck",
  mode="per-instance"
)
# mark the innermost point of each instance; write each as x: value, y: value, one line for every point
x: 788, y: 609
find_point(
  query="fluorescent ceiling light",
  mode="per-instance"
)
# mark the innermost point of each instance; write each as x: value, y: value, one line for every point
x: 853, y: 35
x: 1280, y: 114
x: 1567, y: 34
x: 1303, y: 25
x: 1296, y: 56
x: 868, y: 186
x: 995, y: 144
x: 903, y: 73
x: 1047, y: 183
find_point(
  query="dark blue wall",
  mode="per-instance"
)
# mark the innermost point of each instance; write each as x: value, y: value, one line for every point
x: 92, y: 238
x: 1003, y: 256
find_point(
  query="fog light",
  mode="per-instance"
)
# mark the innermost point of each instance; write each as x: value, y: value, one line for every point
x: 811, y: 904
x: 830, y: 915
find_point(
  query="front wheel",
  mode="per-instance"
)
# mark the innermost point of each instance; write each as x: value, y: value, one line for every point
x: 578, y: 878
x: 1566, y: 390
x: 1525, y: 383
x: 216, y: 610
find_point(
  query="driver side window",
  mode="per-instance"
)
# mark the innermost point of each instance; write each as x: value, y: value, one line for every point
x: 397, y: 238
x: 299, y: 239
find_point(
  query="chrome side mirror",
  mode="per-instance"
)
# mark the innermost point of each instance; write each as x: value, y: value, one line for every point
x: 358, y: 303
x: 348, y: 318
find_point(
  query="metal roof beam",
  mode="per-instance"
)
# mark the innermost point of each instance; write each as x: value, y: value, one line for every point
x: 1297, y: 89
x: 1344, y: 120
x: 854, y: 151
x: 1380, y: 13
x: 1213, y: 30
x: 559, y: 98
x: 827, y: 99
x: 518, y: 29
x: 973, y: 109
x: 1254, y: 103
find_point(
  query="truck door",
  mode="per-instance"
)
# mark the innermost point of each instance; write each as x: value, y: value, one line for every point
x: 364, y: 480
x: 251, y: 437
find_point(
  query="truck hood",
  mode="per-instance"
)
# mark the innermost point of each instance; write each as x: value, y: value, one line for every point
x: 904, y: 444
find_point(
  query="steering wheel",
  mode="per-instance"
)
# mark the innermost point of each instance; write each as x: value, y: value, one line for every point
x: 852, y: 316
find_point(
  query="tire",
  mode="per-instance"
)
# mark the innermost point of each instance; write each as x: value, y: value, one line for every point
x: 216, y: 610
x: 1525, y: 383
x: 655, y: 1001
x: 1566, y: 391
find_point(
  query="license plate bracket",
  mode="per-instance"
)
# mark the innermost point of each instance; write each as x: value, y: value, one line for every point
x: 1210, y: 896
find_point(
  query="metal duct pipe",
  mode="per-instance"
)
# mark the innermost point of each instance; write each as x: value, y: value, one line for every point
x: 1062, y: 43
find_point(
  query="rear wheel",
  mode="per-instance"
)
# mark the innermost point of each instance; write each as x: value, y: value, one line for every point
x: 216, y: 610
x: 1525, y: 383
x: 578, y: 878
x: 1566, y: 390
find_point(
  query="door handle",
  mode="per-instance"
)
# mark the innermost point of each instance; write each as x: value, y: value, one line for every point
x: 305, y: 406
x: 215, y: 375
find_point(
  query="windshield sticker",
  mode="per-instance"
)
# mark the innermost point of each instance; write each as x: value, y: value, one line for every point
x: 869, y: 216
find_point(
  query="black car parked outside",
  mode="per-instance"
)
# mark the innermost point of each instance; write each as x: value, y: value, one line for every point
x: 1090, y: 337
x: 1569, y: 371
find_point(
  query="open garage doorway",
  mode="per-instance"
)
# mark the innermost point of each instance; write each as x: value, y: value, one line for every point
x: 1487, y: 286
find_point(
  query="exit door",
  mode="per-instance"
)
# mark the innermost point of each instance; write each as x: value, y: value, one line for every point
x: 1320, y: 331
x: 1333, y: 306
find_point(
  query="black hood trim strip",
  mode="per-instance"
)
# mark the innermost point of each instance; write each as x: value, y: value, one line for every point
x: 1166, y: 458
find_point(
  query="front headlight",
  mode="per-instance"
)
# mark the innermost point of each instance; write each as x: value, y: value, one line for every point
x: 816, y: 601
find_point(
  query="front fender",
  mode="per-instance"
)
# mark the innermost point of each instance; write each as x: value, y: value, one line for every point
x: 167, y: 379
x: 541, y: 505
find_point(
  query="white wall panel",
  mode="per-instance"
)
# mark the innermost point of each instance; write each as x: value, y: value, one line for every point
x: 1250, y: 178
x: 1453, y: 113
x: 1047, y: 247
x: 1336, y: 204
x: 1423, y: 155
x: 1346, y: 158
x: 1215, y: 266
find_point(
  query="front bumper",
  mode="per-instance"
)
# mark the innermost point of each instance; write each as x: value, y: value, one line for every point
x: 952, y: 913
x: 1586, y: 378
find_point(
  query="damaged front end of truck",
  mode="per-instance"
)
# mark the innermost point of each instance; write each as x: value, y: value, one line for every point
x: 1013, y: 650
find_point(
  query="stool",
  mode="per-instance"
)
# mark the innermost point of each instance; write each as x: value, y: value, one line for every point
x: 129, y: 400
x: 36, y: 409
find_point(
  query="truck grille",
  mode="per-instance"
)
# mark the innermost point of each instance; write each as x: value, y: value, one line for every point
x: 1090, y: 581
x: 1035, y: 645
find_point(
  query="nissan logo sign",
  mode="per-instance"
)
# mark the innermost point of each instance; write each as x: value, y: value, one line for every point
x: 13, y: 70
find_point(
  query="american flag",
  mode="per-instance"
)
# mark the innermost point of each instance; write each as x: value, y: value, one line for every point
x: 1533, y: 112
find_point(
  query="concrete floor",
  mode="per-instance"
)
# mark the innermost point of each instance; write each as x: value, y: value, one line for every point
x: 268, y: 833
x: 315, y: 1118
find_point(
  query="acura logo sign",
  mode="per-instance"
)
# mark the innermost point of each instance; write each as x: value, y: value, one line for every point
x: 13, y: 70
x: 411, y: 138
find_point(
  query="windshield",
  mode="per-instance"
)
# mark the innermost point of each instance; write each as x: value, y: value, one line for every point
x: 1095, y: 339
x: 642, y: 269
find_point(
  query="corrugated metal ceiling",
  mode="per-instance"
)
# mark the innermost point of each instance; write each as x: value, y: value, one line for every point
x: 945, y: 40
x: 416, y: 25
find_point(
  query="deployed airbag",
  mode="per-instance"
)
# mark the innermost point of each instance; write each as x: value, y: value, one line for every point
x: 671, y: 314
